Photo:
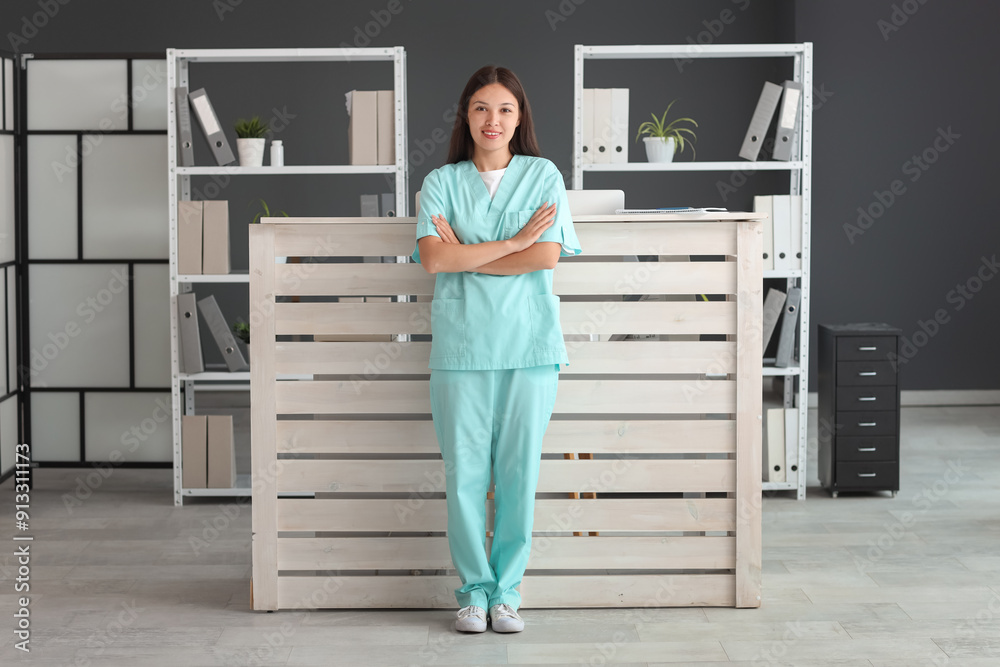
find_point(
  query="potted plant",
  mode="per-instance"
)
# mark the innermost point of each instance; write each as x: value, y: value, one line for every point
x: 242, y: 331
x: 265, y: 211
x: 250, y: 141
x: 664, y: 140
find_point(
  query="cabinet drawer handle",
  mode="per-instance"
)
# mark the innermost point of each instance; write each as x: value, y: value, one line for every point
x: 866, y: 398
x: 866, y: 449
x: 867, y: 423
x: 867, y: 348
x: 867, y: 373
x: 866, y: 474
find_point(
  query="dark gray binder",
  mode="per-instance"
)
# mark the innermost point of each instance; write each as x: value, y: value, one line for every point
x: 369, y: 206
x: 185, y: 142
x: 773, y: 305
x: 191, y: 360
x: 761, y: 120
x: 210, y: 126
x: 222, y: 334
x: 789, y: 324
x: 387, y: 204
x: 788, y: 121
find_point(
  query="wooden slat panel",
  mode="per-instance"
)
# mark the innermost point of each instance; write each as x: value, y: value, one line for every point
x: 557, y: 553
x: 569, y: 278
x: 572, y: 475
x: 667, y: 317
x: 595, y: 436
x: 262, y: 431
x: 421, y: 515
x: 573, y: 397
x: 644, y: 238
x: 606, y: 238
x: 537, y: 592
x: 371, y: 239
x: 749, y: 410
x: 373, y: 360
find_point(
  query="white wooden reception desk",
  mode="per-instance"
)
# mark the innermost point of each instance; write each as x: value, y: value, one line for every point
x: 348, y: 482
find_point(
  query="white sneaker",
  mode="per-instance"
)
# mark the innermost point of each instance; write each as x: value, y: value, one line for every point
x: 505, y: 619
x: 471, y: 619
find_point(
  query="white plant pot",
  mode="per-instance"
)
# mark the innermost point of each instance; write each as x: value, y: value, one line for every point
x: 659, y: 149
x: 251, y: 152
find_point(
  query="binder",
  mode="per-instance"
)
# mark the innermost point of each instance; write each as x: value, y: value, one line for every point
x: 388, y: 205
x: 369, y: 206
x: 763, y: 204
x: 221, y: 453
x: 185, y: 141
x: 619, y: 125
x: 216, y: 237
x: 796, y: 224
x: 189, y: 235
x: 194, y: 451
x: 386, y: 130
x: 789, y: 326
x: 773, y: 452
x: 782, y: 214
x: 774, y: 303
x: 209, y: 123
x: 222, y: 334
x: 602, y: 125
x: 191, y: 360
x: 760, y: 121
x: 587, y: 131
x: 789, y: 118
x: 362, y: 127
x: 791, y: 444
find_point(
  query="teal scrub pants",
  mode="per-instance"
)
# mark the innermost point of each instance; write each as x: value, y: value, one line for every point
x: 491, y: 421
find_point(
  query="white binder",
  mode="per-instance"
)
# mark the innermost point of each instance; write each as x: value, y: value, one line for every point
x: 774, y: 449
x: 796, y: 224
x: 189, y: 237
x: 782, y: 214
x: 619, y: 126
x: 788, y: 121
x: 210, y: 126
x: 760, y: 121
x: 222, y: 334
x: 185, y: 141
x: 190, y: 339
x: 762, y: 204
x: 362, y: 128
x: 216, y: 237
x: 791, y: 444
x: 587, y: 131
x: 386, y: 127
x: 602, y: 125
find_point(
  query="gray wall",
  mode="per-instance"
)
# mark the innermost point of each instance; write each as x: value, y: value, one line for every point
x: 879, y: 102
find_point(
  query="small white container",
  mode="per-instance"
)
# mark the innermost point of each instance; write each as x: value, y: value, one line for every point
x: 277, y: 153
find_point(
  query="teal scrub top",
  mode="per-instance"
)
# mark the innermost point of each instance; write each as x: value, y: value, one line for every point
x: 486, y: 322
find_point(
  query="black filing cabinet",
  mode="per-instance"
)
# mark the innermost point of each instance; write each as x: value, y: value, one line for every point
x: 859, y: 407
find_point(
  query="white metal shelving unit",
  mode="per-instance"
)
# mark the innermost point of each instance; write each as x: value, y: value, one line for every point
x: 800, y: 183
x: 183, y: 385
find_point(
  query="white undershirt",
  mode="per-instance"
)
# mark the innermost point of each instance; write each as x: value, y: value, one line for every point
x: 492, y: 179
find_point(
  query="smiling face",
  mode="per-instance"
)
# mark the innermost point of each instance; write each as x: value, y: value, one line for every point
x: 493, y: 115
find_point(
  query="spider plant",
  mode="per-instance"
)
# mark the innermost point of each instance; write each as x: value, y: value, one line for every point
x: 659, y: 128
x: 254, y: 128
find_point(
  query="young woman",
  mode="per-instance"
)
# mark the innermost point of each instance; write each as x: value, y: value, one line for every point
x: 492, y: 224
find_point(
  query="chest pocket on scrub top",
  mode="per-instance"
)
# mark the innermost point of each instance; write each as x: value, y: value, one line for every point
x: 514, y: 221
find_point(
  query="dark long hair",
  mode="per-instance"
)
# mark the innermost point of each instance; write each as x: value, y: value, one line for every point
x: 522, y: 143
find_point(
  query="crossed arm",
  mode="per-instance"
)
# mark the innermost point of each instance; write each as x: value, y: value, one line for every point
x: 514, y: 256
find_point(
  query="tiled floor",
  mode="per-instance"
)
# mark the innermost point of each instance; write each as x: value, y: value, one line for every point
x: 119, y: 578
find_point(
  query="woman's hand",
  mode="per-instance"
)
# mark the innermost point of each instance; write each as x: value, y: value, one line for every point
x: 444, y: 230
x: 542, y: 219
